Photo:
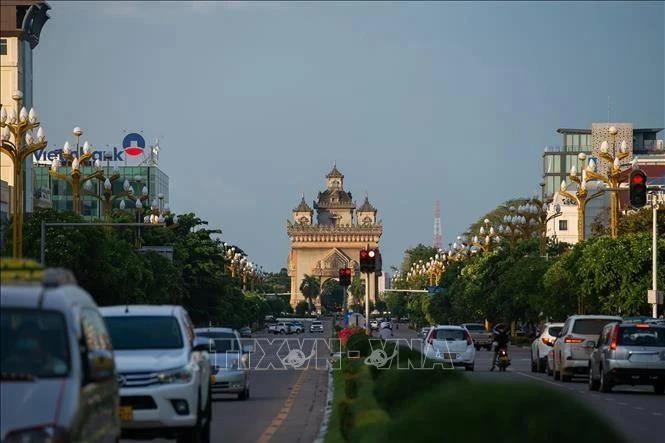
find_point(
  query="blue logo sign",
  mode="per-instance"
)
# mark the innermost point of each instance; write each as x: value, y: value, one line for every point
x: 133, y: 144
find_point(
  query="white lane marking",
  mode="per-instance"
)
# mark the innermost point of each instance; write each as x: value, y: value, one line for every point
x: 639, y: 408
x: 656, y: 414
x: 622, y: 403
x: 538, y: 378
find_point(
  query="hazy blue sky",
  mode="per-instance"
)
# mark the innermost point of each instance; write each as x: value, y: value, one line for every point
x: 414, y: 101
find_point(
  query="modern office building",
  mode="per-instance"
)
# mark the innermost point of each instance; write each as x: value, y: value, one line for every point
x: 92, y: 205
x: 21, y: 23
x: 557, y: 160
x: 5, y: 193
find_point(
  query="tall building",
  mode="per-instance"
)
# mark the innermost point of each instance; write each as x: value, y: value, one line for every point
x: 21, y: 23
x: 557, y: 160
x: 322, y: 244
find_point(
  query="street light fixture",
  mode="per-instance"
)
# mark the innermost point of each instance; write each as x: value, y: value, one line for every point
x: 19, y: 123
x: 488, y: 236
x: 612, y: 179
x: 581, y: 197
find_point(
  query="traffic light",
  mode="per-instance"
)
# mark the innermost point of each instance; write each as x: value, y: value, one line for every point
x: 368, y: 260
x: 638, y: 188
x: 345, y: 276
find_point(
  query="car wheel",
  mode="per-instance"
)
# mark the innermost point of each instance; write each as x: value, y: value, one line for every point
x: 548, y: 370
x: 659, y: 388
x: 557, y: 375
x: 605, y: 385
x: 534, y: 368
x: 470, y: 367
x: 566, y: 378
x: 542, y: 364
x: 489, y: 348
x: 593, y: 384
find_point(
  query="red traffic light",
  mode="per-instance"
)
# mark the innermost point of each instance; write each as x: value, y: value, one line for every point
x: 364, y: 253
x: 637, y: 179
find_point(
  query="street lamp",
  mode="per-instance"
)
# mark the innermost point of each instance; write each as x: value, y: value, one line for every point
x: 158, y: 210
x: 543, y: 224
x: 612, y: 179
x: 75, y: 178
x: 581, y: 197
x: 487, y: 236
x: 434, y: 269
x: 19, y: 123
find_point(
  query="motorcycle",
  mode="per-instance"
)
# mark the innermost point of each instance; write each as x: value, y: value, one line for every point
x: 502, y: 359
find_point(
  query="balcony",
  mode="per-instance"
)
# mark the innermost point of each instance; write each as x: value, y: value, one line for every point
x: 564, y: 149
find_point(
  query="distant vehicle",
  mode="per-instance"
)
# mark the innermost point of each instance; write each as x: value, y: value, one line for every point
x: 245, y: 331
x: 452, y: 344
x: 280, y: 328
x: 316, y: 326
x: 628, y: 354
x: 374, y: 324
x: 542, y: 345
x: 424, y: 331
x: 229, y: 362
x: 57, y: 369
x: 297, y: 327
x: 572, y: 349
x: 164, y: 375
x: 482, y: 338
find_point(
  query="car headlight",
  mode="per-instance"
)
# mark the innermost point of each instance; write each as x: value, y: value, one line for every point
x: 45, y: 434
x: 180, y: 375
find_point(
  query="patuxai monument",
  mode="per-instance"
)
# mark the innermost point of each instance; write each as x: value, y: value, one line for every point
x: 321, y: 246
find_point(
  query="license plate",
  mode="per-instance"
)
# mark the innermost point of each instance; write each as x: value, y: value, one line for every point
x: 643, y: 357
x: 213, y: 379
x: 126, y: 413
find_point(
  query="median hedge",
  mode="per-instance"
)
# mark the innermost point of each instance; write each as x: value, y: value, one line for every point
x: 511, y: 411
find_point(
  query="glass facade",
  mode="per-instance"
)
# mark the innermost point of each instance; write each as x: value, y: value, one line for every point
x: 558, y: 160
x: 92, y: 206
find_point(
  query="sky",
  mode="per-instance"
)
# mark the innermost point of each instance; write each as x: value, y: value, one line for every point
x: 254, y: 101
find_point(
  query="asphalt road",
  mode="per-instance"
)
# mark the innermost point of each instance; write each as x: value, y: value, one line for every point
x: 635, y: 411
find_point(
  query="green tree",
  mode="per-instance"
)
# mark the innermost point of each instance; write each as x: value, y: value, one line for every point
x: 396, y: 303
x: 332, y: 295
x: 301, y: 308
x: 415, y: 254
x: 309, y: 287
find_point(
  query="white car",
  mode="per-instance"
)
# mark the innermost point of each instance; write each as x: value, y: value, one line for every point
x: 164, y: 378
x: 451, y: 344
x: 572, y: 349
x: 542, y: 345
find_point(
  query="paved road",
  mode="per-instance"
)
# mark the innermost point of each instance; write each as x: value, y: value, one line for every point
x: 636, y: 411
x: 285, y: 405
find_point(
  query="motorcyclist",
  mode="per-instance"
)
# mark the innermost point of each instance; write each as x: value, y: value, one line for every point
x: 501, y: 338
x: 386, y: 331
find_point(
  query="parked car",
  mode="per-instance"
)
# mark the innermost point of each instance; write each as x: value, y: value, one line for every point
x: 482, y: 338
x: 452, y: 344
x: 164, y: 376
x: 316, y: 326
x: 229, y: 361
x: 58, y: 373
x: 628, y: 354
x: 542, y: 345
x: 280, y: 328
x: 572, y: 350
x: 424, y: 331
x: 297, y: 327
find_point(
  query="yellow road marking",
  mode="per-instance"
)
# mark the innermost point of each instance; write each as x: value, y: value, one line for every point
x: 284, y: 411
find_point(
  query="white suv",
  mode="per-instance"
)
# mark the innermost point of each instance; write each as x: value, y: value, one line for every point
x: 451, y: 344
x: 575, y: 343
x: 164, y: 378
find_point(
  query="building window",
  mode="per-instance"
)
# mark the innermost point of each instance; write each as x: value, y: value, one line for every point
x: 3, y: 46
x: 563, y: 225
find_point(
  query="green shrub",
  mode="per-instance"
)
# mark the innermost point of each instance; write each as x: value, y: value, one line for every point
x: 369, y: 424
x: 351, y: 386
x: 359, y: 342
x: 346, y: 418
x: 511, y: 411
x: 396, y: 387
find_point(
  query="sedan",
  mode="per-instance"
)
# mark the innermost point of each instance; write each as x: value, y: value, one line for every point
x: 542, y: 345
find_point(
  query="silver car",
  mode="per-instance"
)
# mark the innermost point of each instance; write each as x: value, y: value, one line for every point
x: 628, y: 354
x: 229, y: 361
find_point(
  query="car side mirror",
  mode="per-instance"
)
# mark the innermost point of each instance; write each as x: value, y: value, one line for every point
x: 247, y: 349
x: 100, y: 365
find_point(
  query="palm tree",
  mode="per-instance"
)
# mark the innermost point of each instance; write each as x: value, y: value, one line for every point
x: 357, y: 290
x: 310, y: 288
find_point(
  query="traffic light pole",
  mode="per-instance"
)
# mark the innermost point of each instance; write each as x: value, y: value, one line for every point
x: 367, y: 325
x: 654, y: 250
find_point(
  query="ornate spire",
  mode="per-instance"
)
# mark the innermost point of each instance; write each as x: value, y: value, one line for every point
x: 334, y: 172
x: 366, y: 206
x: 302, y: 206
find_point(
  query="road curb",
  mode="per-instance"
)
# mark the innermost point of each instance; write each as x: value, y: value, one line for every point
x: 323, y: 430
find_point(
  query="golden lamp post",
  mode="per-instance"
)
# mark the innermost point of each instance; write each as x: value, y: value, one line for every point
x: 581, y: 197
x: 544, y: 220
x: 19, y: 123
x: 159, y: 211
x: 612, y: 179
x: 434, y: 269
x: 76, y: 179
x: 487, y: 237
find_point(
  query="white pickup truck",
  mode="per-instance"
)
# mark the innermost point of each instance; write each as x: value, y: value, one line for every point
x: 482, y: 338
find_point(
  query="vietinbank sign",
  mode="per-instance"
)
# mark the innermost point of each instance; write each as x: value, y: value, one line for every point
x: 133, y: 147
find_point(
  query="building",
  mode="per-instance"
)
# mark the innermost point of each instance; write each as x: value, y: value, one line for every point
x: 558, y: 160
x: 21, y: 23
x: 5, y: 202
x: 642, y: 144
x: 321, y: 244
x: 132, y: 163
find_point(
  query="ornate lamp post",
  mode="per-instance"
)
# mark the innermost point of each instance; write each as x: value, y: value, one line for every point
x: 487, y: 237
x: 76, y: 178
x: 434, y: 269
x: 19, y: 123
x: 158, y: 210
x: 544, y: 219
x: 581, y: 197
x: 612, y: 179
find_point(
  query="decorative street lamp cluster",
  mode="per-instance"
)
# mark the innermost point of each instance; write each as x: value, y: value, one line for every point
x: 241, y: 267
x: 18, y: 124
x: 486, y: 238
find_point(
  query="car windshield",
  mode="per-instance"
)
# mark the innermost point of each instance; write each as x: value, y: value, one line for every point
x: 475, y: 328
x: 634, y: 336
x: 224, y: 341
x: 590, y: 326
x: 448, y: 334
x: 144, y: 332
x: 34, y: 343
x: 554, y: 330
x: 316, y: 323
